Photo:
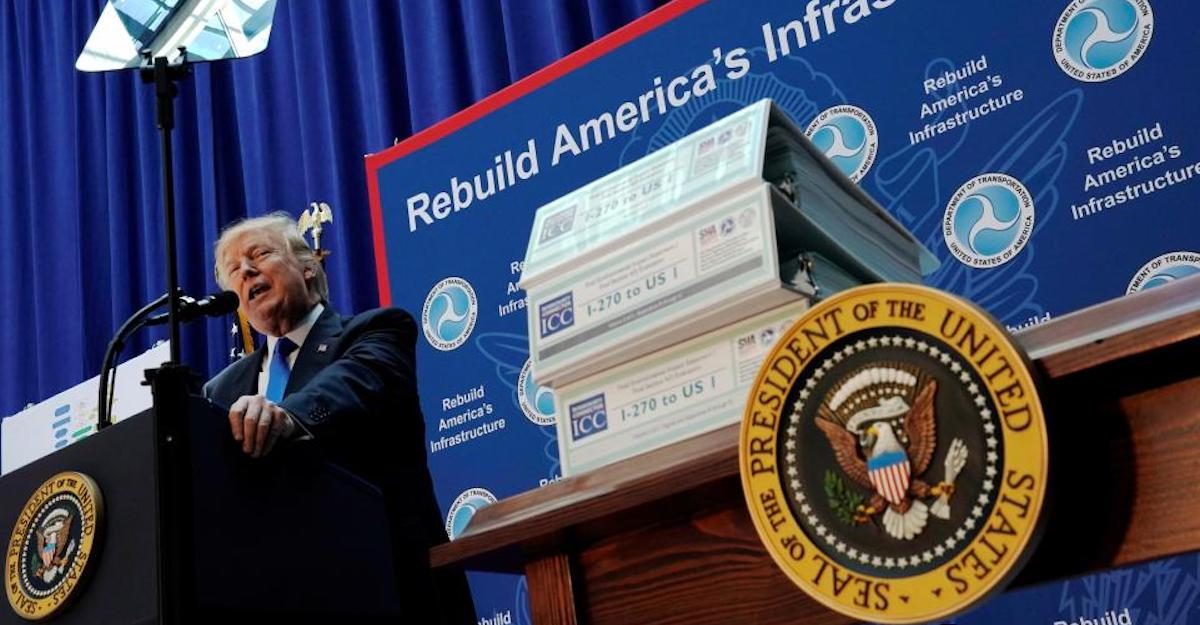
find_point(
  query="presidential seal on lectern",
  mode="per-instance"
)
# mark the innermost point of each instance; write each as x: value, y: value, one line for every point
x: 51, y: 549
x: 894, y: 454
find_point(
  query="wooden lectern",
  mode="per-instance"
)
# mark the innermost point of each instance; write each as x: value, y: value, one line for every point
x: 665, y: 538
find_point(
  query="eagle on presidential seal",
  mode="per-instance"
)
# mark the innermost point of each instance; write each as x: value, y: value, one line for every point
x: 54, y: 546
x: 879, y: 420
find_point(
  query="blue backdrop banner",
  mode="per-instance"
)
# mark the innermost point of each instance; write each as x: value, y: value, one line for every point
x: 1162, y: 592
x: 1044, y: 151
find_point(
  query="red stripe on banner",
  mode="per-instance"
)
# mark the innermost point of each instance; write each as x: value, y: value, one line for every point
x: 381, y: 269
x: 501, y: 98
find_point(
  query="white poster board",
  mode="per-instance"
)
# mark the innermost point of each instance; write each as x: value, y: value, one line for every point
x: 71, y: 415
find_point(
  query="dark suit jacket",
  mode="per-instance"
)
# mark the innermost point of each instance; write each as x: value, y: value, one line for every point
x: 353, y: 387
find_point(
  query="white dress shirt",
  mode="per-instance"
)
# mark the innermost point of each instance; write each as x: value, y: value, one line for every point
x: 297, y: 336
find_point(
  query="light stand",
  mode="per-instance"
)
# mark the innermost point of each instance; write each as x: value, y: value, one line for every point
x: 159, y: 72
x: 170, y: 382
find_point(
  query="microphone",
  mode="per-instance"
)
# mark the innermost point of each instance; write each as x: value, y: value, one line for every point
x: 190, y: 308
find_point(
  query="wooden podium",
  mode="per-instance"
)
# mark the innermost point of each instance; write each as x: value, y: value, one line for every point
x: 665, y: 538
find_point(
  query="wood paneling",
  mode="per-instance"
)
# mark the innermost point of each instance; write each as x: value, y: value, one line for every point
x: 709, y: 570
x: 1165, y: 514
x: 551, y: 590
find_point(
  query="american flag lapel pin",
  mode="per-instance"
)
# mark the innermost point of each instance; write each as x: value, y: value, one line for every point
x: 322, y: 347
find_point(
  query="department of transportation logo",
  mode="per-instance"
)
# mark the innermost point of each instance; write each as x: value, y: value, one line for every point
x: 51, y: 548
x: 1164, y: 269
x: 449, y: 313
x: 847, y: 135
x: 1098, y: 40
x: 536, y: 401
x: 894, y: 454
x: 988, y: 220
x: 464, y: 508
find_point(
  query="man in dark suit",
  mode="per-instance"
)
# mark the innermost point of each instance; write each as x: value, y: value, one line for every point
x: 346, y: 383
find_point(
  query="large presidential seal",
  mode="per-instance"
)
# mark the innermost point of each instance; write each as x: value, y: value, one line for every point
x: 52, y: 545
x: 894, y: 454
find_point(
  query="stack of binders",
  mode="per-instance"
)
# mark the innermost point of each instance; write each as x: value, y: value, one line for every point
x: 844, y: 222
x: 656, y: 291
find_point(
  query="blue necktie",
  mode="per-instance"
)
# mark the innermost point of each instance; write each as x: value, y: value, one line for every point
x: 277, y: 376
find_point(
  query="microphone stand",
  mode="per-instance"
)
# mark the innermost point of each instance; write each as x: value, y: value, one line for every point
x: 107, y: 368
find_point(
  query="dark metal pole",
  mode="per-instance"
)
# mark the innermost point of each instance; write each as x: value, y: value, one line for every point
x: 164, y: 90
x: 170, y: 382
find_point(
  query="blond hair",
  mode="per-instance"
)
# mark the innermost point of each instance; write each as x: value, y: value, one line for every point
x: 281, y: 224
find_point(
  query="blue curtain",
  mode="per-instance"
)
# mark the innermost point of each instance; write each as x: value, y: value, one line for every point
x: 80, y: 185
